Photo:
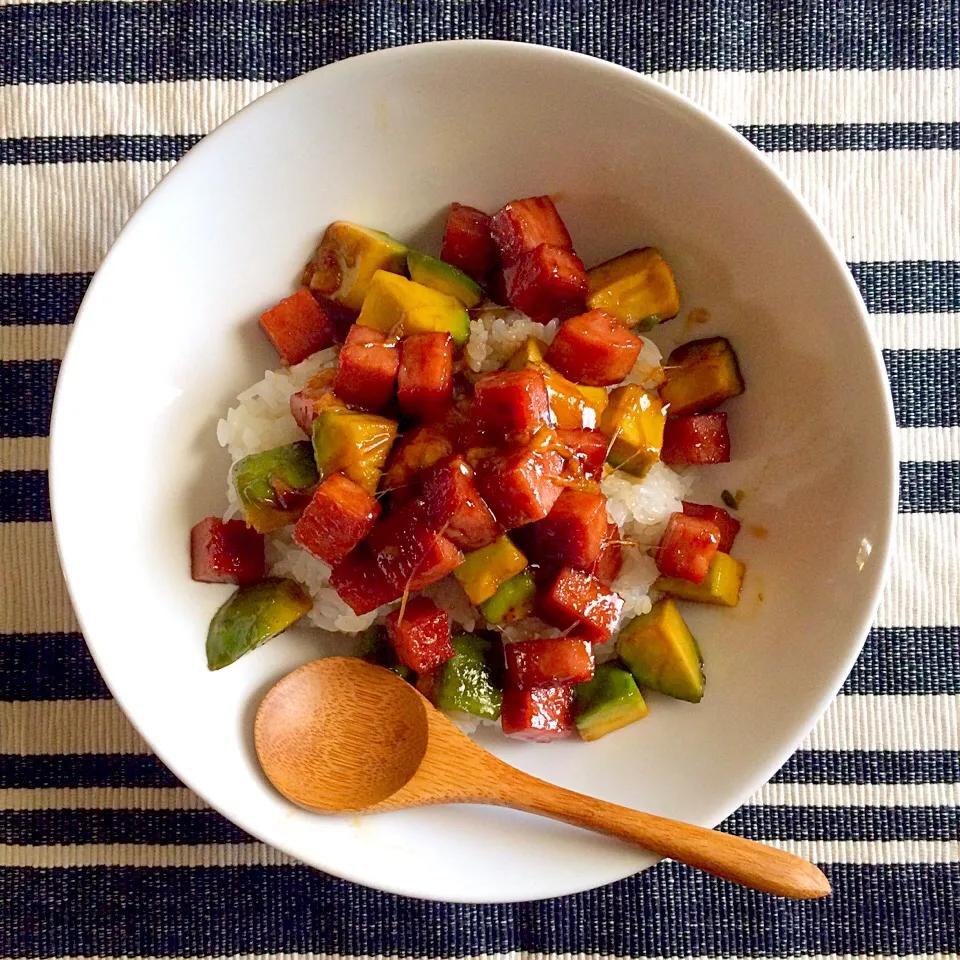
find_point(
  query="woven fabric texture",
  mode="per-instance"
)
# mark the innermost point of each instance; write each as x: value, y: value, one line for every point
x: 104, y: 853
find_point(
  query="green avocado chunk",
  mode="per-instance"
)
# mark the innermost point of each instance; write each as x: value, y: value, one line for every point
x: 275, y: 486
x: 435, y: 273
x: 466, y: 682
x: 607, y: 702
x: 513, y: 600
x: 375, y: 647
x: 662, y: 654
x: 252, y: 616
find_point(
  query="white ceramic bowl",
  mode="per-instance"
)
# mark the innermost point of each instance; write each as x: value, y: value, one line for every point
x: 167, y: 336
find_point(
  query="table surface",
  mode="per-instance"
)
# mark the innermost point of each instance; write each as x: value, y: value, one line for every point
x: 103, y: 853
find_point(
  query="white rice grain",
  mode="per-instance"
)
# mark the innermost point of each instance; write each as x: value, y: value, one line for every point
x: 494, y: 338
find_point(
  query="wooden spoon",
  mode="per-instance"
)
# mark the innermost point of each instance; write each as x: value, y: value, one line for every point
x: 343, y: 735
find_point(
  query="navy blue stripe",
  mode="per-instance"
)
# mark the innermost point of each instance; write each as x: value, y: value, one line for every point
x: 26, y: 397
x: 924, y: 384
x: 898, y: 287
x: 907, y: 660
x: 84, y: 770
x: 910, y: 286
x: 805, y: 766
x: 24, y: 496
x: 106, y: 149
x: 668, y: 911
x: 930, y: 487
x: 72, y: 826
x: 193, y: 39
x: 870, y: 766
x: 773, y: 138
x: 36, y: 298
x: 48, y: 666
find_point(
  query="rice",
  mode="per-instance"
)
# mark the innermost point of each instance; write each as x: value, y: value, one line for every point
x: 261, y: 419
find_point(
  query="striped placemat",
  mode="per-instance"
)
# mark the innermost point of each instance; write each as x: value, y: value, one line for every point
x: 103, y: 853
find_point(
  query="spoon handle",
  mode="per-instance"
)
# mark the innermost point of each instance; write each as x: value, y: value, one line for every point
x: 742, y: 861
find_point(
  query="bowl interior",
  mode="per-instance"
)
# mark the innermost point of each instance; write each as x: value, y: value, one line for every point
x: 168, y: 336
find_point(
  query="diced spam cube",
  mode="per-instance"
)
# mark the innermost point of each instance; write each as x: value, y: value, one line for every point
x: 520, y: 485
x: 728, y: 526
x: 542, y: 714
x: 721, y: 586
x: 546, y: 282
x: 607, y: 567
x: 442, y: 557
x: 637, y: 288
x: 548, y: 662
x: 687, y: 546
x: 338, y: 517
x: 587, y: 452
x: 572, y: 532
x: 298, y: 326
x: 523, y: 225
x: 419, y: 448
x: 425, y: 378
x: 316, y: 396
x: 579, y: 599
x: 700, y: 375
x: 471, y: 525
x: 225, y: 552
x: 467, y: 243
x: 484, y: 570
x: 594, y: 348
x: 421, y: 636
x: 367, y: 369
x: 511, y: 402
x: 360, y: 583
x: 697, y: 440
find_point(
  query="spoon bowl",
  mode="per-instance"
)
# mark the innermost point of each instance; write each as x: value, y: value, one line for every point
x: 341, y: 734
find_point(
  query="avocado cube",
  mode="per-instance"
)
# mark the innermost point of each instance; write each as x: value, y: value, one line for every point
x: 467, y: 681
x: 275, y: 486
x: 513, y: 600
x: 662, y: 654
x: 355, y: 444
x: 348, y: 258
x: 634, y: 420
x: 375, y: 647
x: 700, y: 375
x: 483, y: 570
x: 637, y: 288
x: 532, y: 351
x: 397, y: 306
x: 721, y: 586
x: 608, y: 702
x: 441, y: 276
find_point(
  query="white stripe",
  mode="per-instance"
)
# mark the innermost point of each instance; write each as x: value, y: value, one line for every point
x: 772, y: 795
x: 739, y: 97
x: 858, y: 795
x: 861, y: 722
x: 33, y: 595
x: 70, y: 213
x: 924, y: 572
x: 917, y: 331
x: 881, y: 205
x: 257, y: 854
x: 24, y: 453
x: 929, y: 443
x: 45, y: 341
x: 100, y: 798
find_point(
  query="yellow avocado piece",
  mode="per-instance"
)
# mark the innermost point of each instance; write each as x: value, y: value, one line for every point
x: 700, y: 375
x: 721, y: 586
x: 398, y: 306
x: 483, y: 570
x: 572, y: 404
x: 634, y: 419
x: 607, y: 702
x: 348, y: 258
x: 356, y: 444
x: 637, y: 288
x: 662, y: 654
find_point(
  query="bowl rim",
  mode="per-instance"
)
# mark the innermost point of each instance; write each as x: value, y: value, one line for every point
x: 882, y: 548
